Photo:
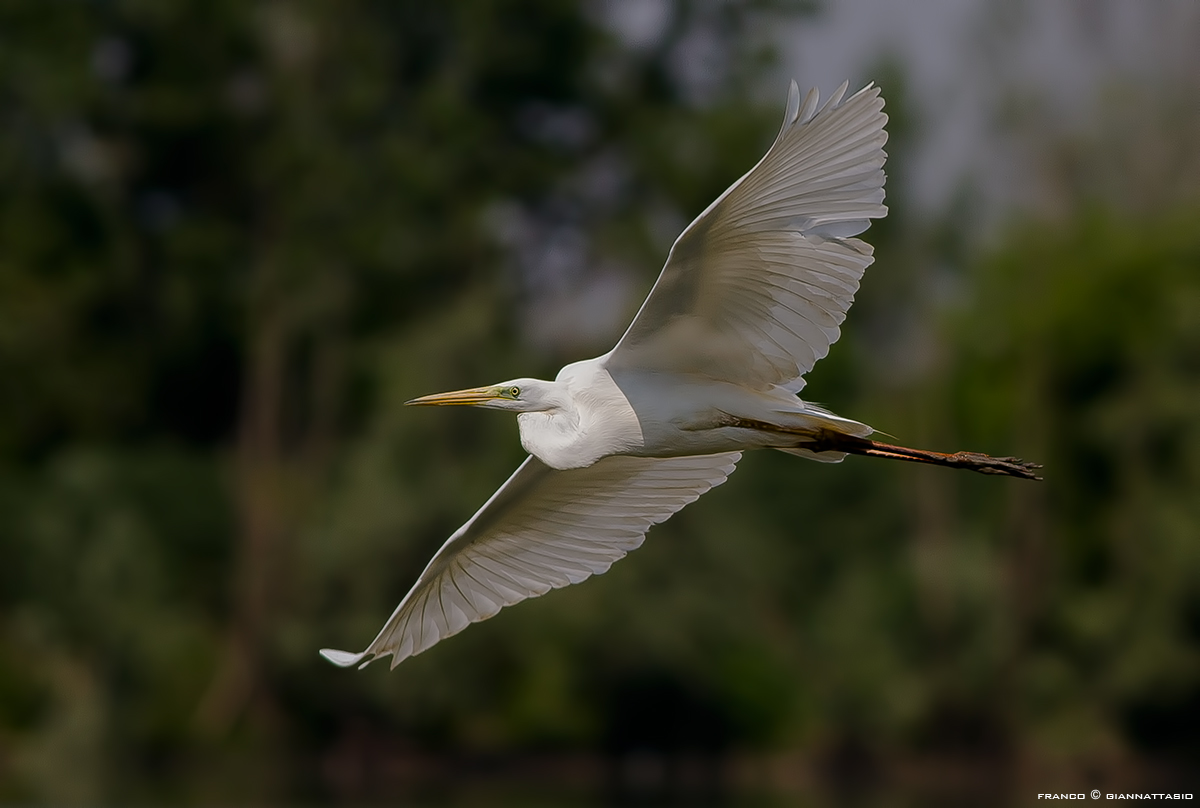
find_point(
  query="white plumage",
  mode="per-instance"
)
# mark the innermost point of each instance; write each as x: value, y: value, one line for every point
x: 541, y: 530
x: 755, y: 288
x: 753, y: 293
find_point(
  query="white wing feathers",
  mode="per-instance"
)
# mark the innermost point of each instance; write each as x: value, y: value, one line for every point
x: 755, y: 289
x: 541, y: 530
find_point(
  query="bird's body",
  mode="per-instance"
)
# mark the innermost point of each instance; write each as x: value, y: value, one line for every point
x: 753, y: 293
x: 598, y: 412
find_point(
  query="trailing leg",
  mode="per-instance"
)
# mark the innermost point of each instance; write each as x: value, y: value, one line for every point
x: 828, y: 441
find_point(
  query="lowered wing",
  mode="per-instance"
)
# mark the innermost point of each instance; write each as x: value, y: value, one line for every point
x: 542, y: 529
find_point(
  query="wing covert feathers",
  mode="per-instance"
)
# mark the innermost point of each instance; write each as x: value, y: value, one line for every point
x: 542, y: 529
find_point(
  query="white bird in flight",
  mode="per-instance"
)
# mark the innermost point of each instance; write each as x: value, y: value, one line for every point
x: 752, y: 295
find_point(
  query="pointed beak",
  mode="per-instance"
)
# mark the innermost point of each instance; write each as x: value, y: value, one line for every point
x: 474, y: 395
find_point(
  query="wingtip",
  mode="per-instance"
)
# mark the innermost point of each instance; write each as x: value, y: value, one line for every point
x: 869, y: 90
x: 343, y: 659
x: 809, y: 108
x: 798, y: 112
x: 836, y: 99
x: 793, y: 104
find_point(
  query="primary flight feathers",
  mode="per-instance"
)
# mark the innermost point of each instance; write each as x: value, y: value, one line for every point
x: 769, y: 265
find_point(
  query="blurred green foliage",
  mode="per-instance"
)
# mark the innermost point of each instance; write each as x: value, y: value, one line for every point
x: 234, y: 238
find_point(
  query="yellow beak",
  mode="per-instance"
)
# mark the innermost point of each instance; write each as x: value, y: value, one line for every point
x: 474, y: 395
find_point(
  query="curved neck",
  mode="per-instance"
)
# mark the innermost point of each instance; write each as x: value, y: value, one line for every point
x: 554, y: 437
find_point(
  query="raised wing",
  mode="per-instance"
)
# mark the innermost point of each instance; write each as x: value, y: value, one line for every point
x: 542, y: 529
x: 755, y: 289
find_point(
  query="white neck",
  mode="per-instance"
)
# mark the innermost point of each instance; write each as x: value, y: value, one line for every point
x: 590, y: 419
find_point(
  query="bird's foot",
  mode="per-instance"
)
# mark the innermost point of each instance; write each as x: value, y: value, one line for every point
x: 986, y: 464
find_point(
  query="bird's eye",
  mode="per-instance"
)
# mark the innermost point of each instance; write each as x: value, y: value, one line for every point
x: 513, y: 392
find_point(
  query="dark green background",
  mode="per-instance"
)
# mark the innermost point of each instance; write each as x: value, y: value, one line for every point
x: 235, y: 236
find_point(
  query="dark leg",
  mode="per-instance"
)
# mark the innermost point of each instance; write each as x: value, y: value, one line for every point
x: 828, y: 441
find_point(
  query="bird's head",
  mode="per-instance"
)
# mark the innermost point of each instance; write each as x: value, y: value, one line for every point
x: 517, y: 395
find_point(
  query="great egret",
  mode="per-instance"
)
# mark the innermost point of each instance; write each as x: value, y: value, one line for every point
x: 751, y: 297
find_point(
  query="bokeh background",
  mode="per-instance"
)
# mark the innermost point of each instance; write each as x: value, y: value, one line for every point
x: 235, y: 236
